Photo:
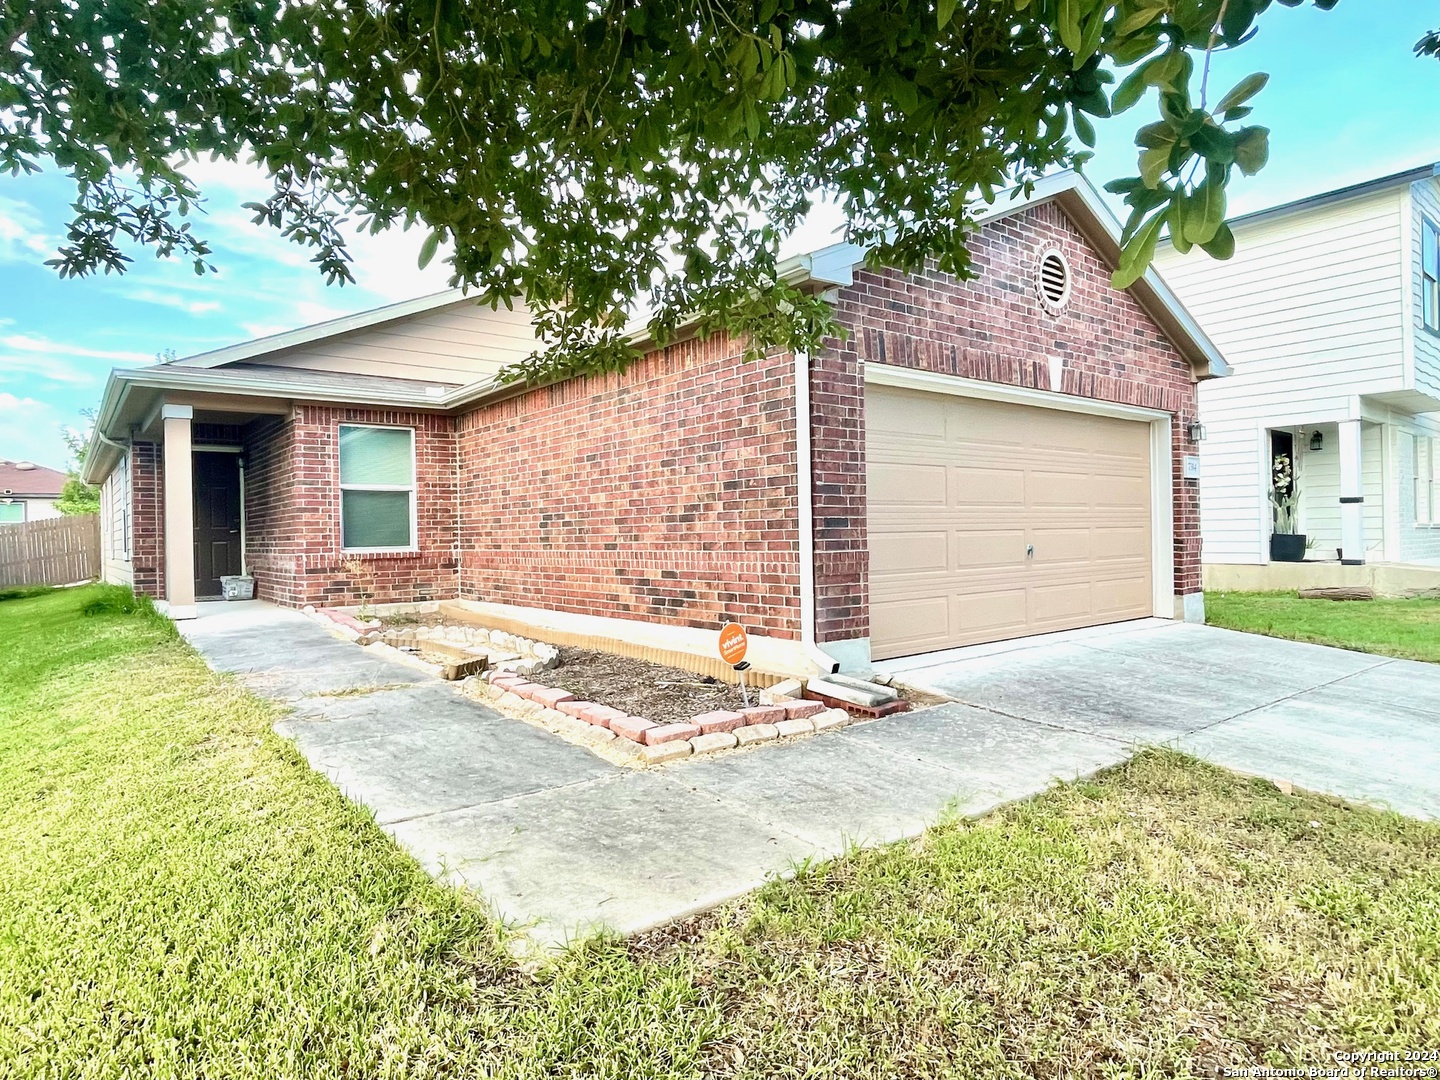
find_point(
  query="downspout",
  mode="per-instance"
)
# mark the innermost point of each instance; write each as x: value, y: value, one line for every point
x: 804, y: 470
x: 244, y: 543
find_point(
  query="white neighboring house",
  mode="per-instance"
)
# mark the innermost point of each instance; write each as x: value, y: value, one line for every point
x: 28, y: 492
x: 1329, y: 314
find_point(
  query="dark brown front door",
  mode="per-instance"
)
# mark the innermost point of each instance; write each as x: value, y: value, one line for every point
x: 217, y: 520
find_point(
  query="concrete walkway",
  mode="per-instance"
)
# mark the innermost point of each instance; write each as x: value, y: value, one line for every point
x: 1364, y: 727
x: 560, y: 842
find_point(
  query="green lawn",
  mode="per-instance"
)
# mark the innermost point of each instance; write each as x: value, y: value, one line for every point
x: 181, y: 896
x: 1409, y: 629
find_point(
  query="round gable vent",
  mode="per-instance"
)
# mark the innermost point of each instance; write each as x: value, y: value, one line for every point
x: 1052, y: 280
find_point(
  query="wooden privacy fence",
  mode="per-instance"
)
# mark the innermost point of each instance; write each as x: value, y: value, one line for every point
x: 56, y: 551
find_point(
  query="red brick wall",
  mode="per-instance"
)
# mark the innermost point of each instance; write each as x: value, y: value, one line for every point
x: 292, y: 512
x: 992, y: 328
x: 147, y: 519
x: 667, y: 493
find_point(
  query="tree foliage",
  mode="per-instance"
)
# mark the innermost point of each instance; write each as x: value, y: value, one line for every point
x: 585, y: 154
x: 76, y: 496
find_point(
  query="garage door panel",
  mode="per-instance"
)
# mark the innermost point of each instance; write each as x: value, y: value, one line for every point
x: 914, y: 625
x: 986, y: 487
x: 1124, y: 595
x: 1063, y: 602
x: 1058, y: 489
x: 958, y: 487
x: 910, y: 553
x: 909, y: 485
x: 987, y: 549
x: 1131, y: 543
x: 921, y: 417
x: 1120, y: 492
x: 1054, y: 546
x: 997, y: 614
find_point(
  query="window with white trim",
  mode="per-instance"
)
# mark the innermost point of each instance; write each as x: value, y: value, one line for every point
x: 12, y: 512
x: 126, y: 504
x: 377, y: 488
x: 1423, y: 479
x: 1430, y: 275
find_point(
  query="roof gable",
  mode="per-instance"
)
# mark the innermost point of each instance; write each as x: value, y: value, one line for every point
x: 27, y: 478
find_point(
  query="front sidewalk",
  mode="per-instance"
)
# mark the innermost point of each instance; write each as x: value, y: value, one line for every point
x: 561, y: 843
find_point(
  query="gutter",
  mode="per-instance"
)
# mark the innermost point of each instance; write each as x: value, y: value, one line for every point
x: 804, y: 484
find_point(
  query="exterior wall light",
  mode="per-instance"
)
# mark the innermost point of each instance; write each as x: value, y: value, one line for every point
x: 1196, y: 431
x: 1317, y: 441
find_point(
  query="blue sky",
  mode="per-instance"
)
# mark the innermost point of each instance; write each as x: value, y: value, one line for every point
x: 1347, y: 101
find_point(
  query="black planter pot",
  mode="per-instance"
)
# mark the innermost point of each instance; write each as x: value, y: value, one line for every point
x: 1287, y: 547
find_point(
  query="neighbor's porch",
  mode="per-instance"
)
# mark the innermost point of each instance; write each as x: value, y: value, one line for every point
x: 1367, y: 503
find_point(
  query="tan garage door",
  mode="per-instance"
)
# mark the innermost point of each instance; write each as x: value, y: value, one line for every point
x: 992, y: 521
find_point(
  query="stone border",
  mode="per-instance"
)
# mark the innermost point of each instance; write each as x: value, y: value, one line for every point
x: 611, y: 733
x: 635, y: 741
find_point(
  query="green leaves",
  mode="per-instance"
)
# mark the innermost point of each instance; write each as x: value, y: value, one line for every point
x: 1135, y: 256
x: 1252, y: 149
x: 1068, y: 25
x: 1242, y: 92
x: 1222, y: 244
x: 576, y: 158
x: 1204, y: 212
x: 429, y: 247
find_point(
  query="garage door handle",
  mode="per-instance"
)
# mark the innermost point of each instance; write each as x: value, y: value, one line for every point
x: 1029, y: 551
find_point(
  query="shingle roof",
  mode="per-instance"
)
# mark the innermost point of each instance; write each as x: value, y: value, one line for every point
x: 27, y: 478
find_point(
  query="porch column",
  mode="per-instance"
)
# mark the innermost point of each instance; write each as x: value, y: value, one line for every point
x: 1352, y: 496
x: 179, y: 512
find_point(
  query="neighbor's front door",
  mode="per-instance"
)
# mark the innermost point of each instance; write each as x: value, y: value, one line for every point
x: 217, y: 520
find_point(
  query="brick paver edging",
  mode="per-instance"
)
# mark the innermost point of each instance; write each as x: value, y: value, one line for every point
x: 633, y: 740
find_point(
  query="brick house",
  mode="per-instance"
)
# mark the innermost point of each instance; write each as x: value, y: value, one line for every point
x: 977, y: 460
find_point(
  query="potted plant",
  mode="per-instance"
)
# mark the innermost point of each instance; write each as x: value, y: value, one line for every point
x: 1286, y: 545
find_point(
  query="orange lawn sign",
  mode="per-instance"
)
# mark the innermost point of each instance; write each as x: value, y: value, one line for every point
x: 733, y: 643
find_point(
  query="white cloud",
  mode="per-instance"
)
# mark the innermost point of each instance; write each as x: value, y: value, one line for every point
x: 169, y: 299
x: 24, y: 368
x: 20, y: 236
x: 26, y: 343
x: 31, y: 362
x: 259, y: 330
x: 30, y: 430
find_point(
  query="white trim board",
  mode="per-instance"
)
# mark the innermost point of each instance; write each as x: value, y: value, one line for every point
x: 1162, y: 479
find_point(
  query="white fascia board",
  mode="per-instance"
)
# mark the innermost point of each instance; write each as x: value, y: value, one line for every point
x: 168, y: 377
x: 1217, y: 366
x: 1014, y: 200
x: 361, y: 320
x: 102, y: 453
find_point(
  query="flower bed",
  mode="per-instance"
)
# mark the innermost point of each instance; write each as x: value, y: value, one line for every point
x: 519, y: 670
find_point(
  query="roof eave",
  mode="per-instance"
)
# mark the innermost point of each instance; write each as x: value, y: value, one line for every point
x: 103, y: 452
x: 1350, y: 191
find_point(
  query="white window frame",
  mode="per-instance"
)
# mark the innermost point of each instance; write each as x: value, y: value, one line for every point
x: 124, y: 495
x: 411, y: 487
x: 11, y: 500
x: 1430, y: 276
x: 1423, y: 482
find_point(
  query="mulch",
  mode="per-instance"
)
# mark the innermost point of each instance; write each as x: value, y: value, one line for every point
x: 654, y: 691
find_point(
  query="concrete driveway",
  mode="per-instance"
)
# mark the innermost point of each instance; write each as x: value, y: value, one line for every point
x: 560, y: 842
x: 1363, y: 727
